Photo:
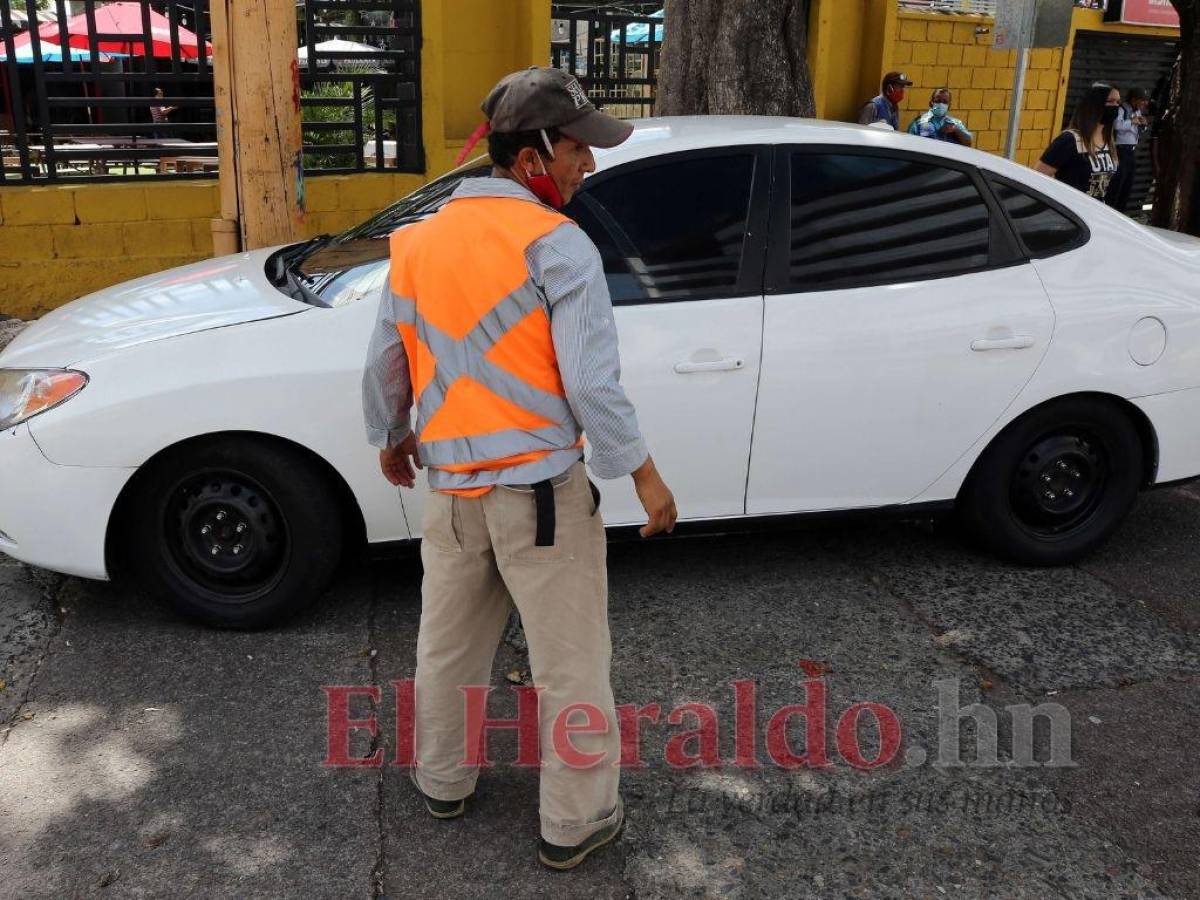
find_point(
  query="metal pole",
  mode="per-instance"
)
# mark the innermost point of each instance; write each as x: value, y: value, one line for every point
x: 1014, y: 111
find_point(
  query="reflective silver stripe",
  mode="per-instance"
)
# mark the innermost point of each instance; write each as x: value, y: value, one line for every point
x: 527, y: 473
x: 485, y: 447
x: 405, y: 309
x: 466, y: 357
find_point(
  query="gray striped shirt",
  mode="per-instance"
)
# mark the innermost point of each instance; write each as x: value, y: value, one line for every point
x: 566, y: 268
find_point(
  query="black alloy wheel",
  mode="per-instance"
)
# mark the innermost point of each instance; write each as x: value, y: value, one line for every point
x: 1056, y: 483
x: 233, y: 531
x: 1059, y: 483
x: 226, y: 534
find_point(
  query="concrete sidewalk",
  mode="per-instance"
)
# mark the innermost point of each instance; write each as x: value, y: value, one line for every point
x: 164, y: 760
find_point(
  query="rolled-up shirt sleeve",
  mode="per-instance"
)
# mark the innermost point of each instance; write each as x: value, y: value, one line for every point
x: 386, y: 386
x: 567, y: 266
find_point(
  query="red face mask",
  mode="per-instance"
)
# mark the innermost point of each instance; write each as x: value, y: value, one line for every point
x: 895, y: 94
x: 543, y: 186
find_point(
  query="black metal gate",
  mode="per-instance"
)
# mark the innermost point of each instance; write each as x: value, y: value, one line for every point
x: 114, y: 93
x: 615, y: 54
x: 1127, y: 61
x: 79, y: 92
x: 361, y: 104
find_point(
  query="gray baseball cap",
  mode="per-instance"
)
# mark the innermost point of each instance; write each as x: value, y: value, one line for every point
x: 536, y: 98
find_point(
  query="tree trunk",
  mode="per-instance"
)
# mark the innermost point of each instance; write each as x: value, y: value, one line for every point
x: 735, y: 57
x: 1177, y: 194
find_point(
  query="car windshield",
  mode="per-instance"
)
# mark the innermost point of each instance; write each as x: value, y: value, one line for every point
x: 333, y: 270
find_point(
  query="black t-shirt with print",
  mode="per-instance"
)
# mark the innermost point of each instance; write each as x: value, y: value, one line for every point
x: 1090, y: 174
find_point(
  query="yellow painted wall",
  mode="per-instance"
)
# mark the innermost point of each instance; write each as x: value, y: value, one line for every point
x: 835, y: 56
x: 937, y: 50
x: 945, y: 51
x: 58, y: 243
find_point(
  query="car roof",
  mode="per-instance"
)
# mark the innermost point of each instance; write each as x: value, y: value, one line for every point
x: 673, y: 134
x: 652, y: 135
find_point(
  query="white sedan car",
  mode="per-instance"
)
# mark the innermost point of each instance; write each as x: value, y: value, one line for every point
x: 813, y: 317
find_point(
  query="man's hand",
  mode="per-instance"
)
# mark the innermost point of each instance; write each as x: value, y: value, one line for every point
x: 949, y: 128
x: 656, y: 499
x: 397, y: 462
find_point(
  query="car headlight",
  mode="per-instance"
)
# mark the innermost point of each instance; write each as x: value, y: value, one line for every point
x: 26, y: 392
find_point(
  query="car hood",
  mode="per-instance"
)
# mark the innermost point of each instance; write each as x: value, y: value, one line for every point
x: 211, y: 294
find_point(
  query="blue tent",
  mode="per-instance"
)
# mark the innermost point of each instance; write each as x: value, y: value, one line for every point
x: 639, y: 32
x: 53, y: 53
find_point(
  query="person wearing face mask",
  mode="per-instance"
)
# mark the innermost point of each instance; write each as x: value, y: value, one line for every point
x: 1083, y: 156
x: 1127, y: 133
x: 886, y: 106
x: 937, y: 123
x: 497, y: 325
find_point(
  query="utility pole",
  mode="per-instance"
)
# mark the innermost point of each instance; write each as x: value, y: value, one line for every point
x: 257, y: 93
x: 1015, y: 21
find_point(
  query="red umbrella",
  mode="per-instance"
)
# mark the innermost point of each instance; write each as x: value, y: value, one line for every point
x: 123, y: 19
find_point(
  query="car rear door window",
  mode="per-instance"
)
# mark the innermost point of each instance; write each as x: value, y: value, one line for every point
x: 1044, y: 230
x: 672, y: 230
x: 859, y: 219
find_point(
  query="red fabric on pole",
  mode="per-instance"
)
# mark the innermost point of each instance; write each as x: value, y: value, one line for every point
x: 476, y: 136
x: 125, y: 19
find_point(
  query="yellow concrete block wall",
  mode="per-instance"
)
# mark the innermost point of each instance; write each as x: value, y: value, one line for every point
x: 955, y: 51
x: 59, y: 243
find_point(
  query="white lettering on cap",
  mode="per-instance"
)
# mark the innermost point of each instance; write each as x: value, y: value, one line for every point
x: 575, y: 89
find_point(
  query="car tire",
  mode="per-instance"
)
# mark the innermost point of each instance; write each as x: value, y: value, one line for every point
x: 234, y: 533
x: 1055, y: 484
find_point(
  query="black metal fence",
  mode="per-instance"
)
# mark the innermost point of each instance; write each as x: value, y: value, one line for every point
x: 115, y: 91
x: 103, y: 91
x: 360, y: 79
x: 614, y: 54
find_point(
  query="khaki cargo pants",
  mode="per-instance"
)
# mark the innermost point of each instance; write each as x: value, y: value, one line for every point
x: 480, y: 558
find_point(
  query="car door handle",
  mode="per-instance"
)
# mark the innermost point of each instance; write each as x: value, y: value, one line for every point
x: 1016, y: 342
x: 728, y: 364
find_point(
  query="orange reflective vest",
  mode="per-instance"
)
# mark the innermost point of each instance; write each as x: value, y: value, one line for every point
x: 476, y: 331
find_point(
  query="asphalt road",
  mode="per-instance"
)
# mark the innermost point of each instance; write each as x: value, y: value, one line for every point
x: 146, y: 757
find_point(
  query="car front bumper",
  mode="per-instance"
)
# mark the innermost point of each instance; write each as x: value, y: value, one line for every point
x: 54, y: 516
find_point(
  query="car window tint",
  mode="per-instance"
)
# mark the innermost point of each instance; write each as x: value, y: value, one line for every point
x: 864, y: 219
x: 1044, y: 229
x: 670, y: 231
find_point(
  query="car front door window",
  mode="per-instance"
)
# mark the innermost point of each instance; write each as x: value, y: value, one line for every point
x: 673, y: 234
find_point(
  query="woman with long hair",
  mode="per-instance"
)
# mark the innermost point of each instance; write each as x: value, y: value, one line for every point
x: 1083, y: 156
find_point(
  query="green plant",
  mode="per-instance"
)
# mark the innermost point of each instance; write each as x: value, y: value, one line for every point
x: 342, y: 114
x: 325, y: 136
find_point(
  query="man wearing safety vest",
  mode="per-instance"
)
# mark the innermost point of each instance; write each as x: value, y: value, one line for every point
x: 498, y: 326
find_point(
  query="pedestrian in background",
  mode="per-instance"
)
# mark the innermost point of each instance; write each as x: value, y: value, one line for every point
x: 1127, y: 132
x: 160, y: 113
x: 937, y: 123
x: 886, y: 106
x: 1083, y: 156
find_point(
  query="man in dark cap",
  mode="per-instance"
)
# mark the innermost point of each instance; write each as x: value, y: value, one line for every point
x: 886, y: 106
x: 497, y: 325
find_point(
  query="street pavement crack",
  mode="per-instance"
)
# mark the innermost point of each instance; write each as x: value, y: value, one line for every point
x: 378, y: 871
x: 50, y: 587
